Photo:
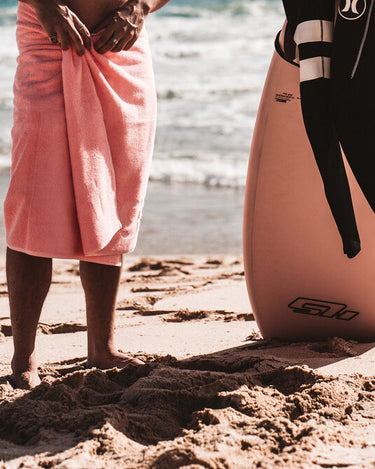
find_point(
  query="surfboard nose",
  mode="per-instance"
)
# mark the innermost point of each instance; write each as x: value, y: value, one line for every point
x: 300, y: 283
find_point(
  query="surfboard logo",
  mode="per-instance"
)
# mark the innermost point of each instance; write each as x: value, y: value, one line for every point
x: 352, y: 9
x: 322, y: 309
x: 284, y: 97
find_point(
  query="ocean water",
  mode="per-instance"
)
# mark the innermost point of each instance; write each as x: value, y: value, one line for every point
x: 210, y: 60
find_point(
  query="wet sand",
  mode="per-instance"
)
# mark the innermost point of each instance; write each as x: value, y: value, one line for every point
x: 213, y: 393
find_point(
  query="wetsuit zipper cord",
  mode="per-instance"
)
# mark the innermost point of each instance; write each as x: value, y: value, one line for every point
x: 364, y: 37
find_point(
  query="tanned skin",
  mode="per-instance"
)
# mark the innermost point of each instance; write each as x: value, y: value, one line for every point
x: 29, y: 277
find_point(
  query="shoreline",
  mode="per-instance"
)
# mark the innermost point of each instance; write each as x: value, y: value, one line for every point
x: 179, y: 218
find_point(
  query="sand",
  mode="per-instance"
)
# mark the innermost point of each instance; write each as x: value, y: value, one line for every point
x: 213, y: 393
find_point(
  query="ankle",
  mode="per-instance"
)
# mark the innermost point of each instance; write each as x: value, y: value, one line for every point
x: 24, y: 362
x: 102, y: 348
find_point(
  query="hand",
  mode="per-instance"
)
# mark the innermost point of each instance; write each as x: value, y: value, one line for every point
x: 58, y: 20
x: 122, y: 28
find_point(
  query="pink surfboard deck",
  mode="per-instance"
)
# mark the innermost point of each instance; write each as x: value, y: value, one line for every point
x: 300, y: 283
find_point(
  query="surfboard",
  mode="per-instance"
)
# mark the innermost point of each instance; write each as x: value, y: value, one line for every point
x: 300, y: 283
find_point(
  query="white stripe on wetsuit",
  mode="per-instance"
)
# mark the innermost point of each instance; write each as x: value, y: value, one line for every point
x: 315, y: 32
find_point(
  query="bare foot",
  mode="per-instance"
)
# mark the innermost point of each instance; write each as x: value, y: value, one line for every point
x: 25, y: 380
x: 112, y: 360
x: 25, y: 376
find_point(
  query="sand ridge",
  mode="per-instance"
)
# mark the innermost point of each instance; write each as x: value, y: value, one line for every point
x: 164, y: 416
x: 213, y: 393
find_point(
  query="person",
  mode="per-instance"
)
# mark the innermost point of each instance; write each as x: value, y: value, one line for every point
x: 84, y: 122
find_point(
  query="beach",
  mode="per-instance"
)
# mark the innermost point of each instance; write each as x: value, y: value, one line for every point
x: 212, y: 394
x: 208, y: 87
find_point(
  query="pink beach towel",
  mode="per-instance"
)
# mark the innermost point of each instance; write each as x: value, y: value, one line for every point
x: 82, y: 144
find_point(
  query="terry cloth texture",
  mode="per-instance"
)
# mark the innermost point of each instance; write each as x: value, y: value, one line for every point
x: 337, y: 72
x: 82, y: 144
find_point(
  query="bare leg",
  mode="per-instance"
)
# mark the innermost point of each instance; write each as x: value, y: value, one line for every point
x: 29, y: 279
x: 100, y: 283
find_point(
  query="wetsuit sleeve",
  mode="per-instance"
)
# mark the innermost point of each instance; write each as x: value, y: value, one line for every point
x: 310, y: 28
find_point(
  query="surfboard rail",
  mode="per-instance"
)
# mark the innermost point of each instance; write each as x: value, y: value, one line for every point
x: 300, y: 283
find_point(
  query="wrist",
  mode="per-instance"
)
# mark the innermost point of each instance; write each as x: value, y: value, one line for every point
x: 32, y: 3
x: 37, y: 4
x: 148, y: 6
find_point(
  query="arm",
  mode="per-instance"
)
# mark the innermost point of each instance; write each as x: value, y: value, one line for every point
x: 156, y: 4
x: 59, y: 21
x: 122, y: 28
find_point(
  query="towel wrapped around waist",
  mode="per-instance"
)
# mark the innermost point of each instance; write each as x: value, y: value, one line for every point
x: 83, y: 138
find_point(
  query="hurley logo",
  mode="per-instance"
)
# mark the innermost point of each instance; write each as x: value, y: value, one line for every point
x: 322, y: 309
x: 352, y: 9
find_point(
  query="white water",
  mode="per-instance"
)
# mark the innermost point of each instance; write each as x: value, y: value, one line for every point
x: 210, y: 59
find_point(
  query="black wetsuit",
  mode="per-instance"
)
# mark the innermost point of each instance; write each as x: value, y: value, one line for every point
x: 338, y: 98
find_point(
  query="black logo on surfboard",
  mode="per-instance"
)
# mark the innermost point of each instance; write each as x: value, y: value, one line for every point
x: 284, y: 97
x: 352, y: 9
x: 322, y: 309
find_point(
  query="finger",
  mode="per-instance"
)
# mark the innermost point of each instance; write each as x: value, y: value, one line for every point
x: 101, y: 44
x: 53, y: 39
x: 82, y: 31
x: 63, y: 37
x: 125, y: 36
x: 76, y: 39
x: 120, y: 45
x: 112, y: 43
x: 103, y: 24
x: 109, y: 45
x: 132, y: 41
x: 51, y: 32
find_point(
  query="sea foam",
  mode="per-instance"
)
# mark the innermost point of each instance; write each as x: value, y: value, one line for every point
x: 210, y: 60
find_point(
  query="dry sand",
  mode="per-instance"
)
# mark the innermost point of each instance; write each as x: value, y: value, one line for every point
x: 213, y: 394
